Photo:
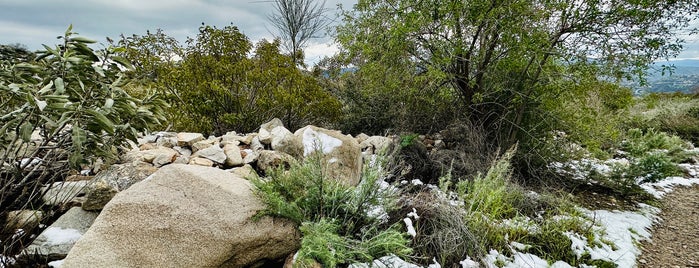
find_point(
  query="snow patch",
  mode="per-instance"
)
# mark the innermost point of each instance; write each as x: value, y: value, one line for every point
x: 58, y: 235
x: 469, y: 263
x: 56, y: 264
x: 666, y: 186
x: 316, y: 141
x: 624, y: 229
x: 409, y: 225
x: 385, y: 262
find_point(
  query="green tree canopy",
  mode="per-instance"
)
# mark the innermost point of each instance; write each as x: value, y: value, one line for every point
x: 497, y: 54
x: 221, y: 82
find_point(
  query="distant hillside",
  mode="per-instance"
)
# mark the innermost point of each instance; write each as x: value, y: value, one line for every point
x: 683, y: 78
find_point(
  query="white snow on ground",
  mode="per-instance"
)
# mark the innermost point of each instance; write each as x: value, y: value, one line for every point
x: 56, y: 264
x: 316, y: 141
x: 409, y: 225
x: 469, y: 263
x: 58, y: 235
x: 386, y: 262
x: 661, y: 188
x: 624, y: 229
x: 519, y: 260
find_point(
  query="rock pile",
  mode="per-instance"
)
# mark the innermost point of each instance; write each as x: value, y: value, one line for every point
x: 182, y: 200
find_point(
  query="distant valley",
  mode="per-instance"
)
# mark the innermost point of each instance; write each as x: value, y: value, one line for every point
x: 683, y: 78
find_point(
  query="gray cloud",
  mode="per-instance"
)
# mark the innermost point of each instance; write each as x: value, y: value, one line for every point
x: 37, y: 22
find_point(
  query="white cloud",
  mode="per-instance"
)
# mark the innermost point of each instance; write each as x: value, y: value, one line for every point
x: 317, y: 51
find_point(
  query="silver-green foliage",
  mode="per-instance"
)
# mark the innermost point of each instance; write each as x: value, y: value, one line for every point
x: 334, y: 218
x: 63, y: 110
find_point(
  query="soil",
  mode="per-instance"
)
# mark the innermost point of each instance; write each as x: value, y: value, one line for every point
x: 675, y: 238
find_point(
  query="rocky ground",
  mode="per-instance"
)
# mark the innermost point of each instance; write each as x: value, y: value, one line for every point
x: 675, y: 239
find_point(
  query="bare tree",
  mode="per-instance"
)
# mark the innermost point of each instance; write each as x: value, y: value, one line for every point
x: 297, y: 21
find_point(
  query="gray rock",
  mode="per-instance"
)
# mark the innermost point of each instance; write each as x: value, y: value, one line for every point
x: 109, y: 182
x: 25, y: 219
x: 256, y: 145
x: 376, y: 144
x: 340, y: 154
x: 59, y: 193
x: 245, y: 172
x: 249, y: 156
x: 265, y: 134
x: 184, y: 216
x: 268, y: 160
x: 187, y: 139
x: 201, y: 145
x: 160, y: 156
x: 213, y: 153
x: 285, y: 141
x: 361, y: 138
x: 199, y: 161
x: 233, y: 157
x: 56, y: 241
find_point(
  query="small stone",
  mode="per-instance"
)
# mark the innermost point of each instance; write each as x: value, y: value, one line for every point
x: 233, y: 156
x: 201, y: 145
x: 23, y: 219
x: 187, y: 139
x: 201, y: 162
x: 213, y: 153
x: 244, y: 172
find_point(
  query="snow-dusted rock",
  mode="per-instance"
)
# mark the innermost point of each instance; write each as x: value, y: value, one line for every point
x: 184, y: 216
x: 56, y: 240
x: 187, y: 139
x: 341, y: 154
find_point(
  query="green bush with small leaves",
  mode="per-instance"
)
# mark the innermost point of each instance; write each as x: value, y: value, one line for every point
x: 335, y: 219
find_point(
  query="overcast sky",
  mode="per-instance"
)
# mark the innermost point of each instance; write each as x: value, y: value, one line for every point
x: 36, y: 22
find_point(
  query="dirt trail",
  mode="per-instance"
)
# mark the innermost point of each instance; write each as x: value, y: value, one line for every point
x: 675, y: 239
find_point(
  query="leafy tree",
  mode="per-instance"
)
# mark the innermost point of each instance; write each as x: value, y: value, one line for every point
x: 15, y: 53
x: 498, y: 55
x: 152, y: 54
x: 221, y: 83
x: 297, y: 21
x: 65, y: 110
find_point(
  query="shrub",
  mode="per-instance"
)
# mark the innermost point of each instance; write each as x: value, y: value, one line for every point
x: 337, y: 221
x: 498, y: 212
x: 654, y: 167
x: 66, y: 110
x: 223, y: 82
x: 672, y: 113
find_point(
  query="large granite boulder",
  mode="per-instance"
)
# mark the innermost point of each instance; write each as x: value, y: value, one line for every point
x: 340, y: 153
x: 184, y: 216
